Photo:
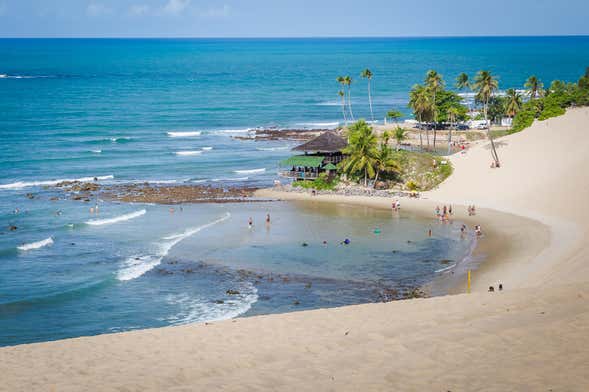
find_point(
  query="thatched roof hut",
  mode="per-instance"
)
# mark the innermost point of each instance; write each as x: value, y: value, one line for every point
x: 327, y: 142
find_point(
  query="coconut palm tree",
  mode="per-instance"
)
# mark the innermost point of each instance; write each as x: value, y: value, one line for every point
x: 394, y: 115
x: 485, y: 85
x: 342, y: 95
x: 513, y: 103
x: 534, y: 86
x: 435, y: 83
x: 384, y: 161
x: 420, y: 102
x: 361, y: 151
x: 453, y: 113
x: 386, y: 136
x: 367, y: 74
x: 400, y: 135
x: 463, y: 83
x: 348, y: 83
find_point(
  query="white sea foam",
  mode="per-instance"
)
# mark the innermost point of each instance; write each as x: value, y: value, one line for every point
x: 446, y: 269
x: 184, y: 134
x: 272, y: 148
x: 193, y: 310
x: 331, y: 124
x: 207, y: 148
x: 116, y: 219
x: 188, y: 153
x: 21, y: 184
x: 36, y: 245
x: 120, y: 139
x: 96, y: 151
x: 329, y: 103
x: 242, y: 130
x: 136, y: 266
x: 230, y: 179
x: 252, y: 171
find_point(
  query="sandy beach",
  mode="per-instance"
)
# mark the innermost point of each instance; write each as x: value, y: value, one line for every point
x: 532, y: 336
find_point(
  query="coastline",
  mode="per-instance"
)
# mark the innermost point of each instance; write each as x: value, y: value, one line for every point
x: 532, y: 336
x: 507, y: 237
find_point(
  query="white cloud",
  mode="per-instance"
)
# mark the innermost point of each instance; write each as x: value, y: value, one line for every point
x: 216, y: 12
x: 97, y: 9
x: 175, y: 7
x: 139, y: 9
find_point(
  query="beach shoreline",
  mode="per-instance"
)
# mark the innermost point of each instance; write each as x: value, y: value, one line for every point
x: 494, y: 250
x: 533, y: 335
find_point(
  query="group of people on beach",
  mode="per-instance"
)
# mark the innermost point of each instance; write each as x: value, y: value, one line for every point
x: 472, y: 210
x: 250, y: 222
x: 396, y: 205
x: 444, y: 214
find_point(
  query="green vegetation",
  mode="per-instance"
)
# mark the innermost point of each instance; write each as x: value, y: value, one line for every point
x: 323, y: 183
x: 417, y: 169
x: 552, y: 102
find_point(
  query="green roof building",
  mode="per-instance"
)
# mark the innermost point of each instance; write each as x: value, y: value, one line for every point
x: 321, y: 155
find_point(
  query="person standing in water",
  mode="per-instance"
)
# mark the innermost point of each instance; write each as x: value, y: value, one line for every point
x: 267, y: 219
x: 250, y: 223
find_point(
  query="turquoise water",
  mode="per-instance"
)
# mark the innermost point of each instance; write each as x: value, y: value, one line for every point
x: 166, y: 110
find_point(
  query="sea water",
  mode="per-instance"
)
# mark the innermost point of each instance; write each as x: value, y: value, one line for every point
x: 168, y: 111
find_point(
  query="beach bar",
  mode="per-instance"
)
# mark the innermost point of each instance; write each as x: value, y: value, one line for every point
x: 321, y: 155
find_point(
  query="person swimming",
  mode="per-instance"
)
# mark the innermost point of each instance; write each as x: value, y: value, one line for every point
x: 346, y: 242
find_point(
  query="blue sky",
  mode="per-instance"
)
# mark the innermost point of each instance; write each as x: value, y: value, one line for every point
x: 290, y: 18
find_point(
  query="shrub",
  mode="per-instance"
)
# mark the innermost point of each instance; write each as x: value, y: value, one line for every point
x: 411, y: 185
x: 323, y: 183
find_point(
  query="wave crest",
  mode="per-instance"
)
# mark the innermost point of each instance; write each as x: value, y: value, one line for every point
x: 36, y: 245
x: 21, y: 184
x: 116, y: 219
x: 136, y: 266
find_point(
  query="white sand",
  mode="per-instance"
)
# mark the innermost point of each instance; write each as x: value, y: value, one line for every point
x: 532, y: 337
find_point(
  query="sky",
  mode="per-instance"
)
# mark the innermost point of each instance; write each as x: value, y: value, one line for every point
x: 291, y: 18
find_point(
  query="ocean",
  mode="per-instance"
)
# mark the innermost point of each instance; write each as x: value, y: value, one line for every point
x: 166, y: 111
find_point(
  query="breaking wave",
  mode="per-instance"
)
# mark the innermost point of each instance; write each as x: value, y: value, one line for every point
x: 188, y: 153
x: 36, y: 245
x: 116, y: 219
x: 136, y: 266
x: 21, y: 184
x: 252, y: 171
x: 184, y: 134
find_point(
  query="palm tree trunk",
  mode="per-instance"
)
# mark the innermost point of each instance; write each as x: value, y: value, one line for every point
x: 375, y: 179
x: 435, y: 120
x: 370, y: 100
x: 427, y: 137
x: 450, y: 139
x: 365, y: 177
x: 493, y: 150
x: 420, y: 134
x: 350, y: 103
x: 344, y: 110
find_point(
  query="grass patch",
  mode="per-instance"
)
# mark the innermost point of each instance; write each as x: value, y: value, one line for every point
x: 323, y: 183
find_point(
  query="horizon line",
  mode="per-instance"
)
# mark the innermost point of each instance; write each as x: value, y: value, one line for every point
x: 303, y: 37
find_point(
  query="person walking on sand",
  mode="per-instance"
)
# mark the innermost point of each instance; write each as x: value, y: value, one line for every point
x: 437, y: 210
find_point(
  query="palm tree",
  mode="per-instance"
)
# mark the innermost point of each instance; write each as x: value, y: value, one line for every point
x: 384, y: 161
x: 435, y: 83
x: 485, y: 85
x: 361, y: 151
x: 348, y: 83
x: 453, y: 113
x: 400, y: 135
x: 420, y: 102
x: 386, y: 136
x: 368, y: 75
x: 343, y: 98
x: 394, y: 115
x: 513, y: 103
x: 462, y: 83
x: 534, y: 86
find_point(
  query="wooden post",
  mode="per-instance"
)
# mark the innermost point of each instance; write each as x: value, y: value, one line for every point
x: 468, y: 282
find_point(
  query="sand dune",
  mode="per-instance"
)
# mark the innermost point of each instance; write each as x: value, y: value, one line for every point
x: 532, y: 337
